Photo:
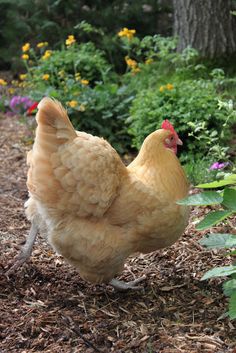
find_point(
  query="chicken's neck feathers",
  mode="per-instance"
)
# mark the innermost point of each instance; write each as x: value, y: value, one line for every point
x: 160, y: 168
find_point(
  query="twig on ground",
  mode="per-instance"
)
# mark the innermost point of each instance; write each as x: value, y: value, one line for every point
x: 76, y: 329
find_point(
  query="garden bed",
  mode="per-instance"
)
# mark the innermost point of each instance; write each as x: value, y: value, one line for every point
x: 46, y: 306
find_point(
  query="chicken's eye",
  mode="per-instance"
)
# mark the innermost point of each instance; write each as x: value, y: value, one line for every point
x: 172, y: 138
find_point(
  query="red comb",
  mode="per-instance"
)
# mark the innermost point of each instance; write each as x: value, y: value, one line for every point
x: 167, y: 126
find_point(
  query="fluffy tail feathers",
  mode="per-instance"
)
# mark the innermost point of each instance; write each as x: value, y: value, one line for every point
x: 53, y: 120
x: 54, y: 129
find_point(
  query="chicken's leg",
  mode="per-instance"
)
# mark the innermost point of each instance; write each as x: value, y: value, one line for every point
x: 26, y: 250
x: 123, y: 286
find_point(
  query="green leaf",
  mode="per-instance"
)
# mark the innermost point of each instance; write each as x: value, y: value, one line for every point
x: 229, y: 199
x: 229, y: 287
x: 202, y: 199
x: 232, y: 305
x: 230, y: 180
x: 213, y: 218
x: 219, y: 272
x: 218, y: 241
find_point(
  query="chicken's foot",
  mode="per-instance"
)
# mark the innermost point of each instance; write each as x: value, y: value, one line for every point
x: 26, y: 250
x: 123, y: 286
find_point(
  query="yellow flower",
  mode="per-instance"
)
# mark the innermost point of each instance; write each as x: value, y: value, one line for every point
x: 26, y: 47
x: 42, y: 44
x: 2, y: 82
x: 47, y: 54
x: 11, y: 90
x: 72, y: 103
x: 162, y: 88
x: 128, y: 33
x: 23, y: 77
x: 70, y: 40
x: 77, y: 76
x: 45, y: 77
x: 82, y: 107
x: 25, y: 56
x: 148, y: 61
x: 135, y: 70
x: 131, y: 63
x: 169, y: 86
x: 84, y: 82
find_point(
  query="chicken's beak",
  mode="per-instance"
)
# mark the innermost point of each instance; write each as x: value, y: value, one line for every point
x: 179, y: 142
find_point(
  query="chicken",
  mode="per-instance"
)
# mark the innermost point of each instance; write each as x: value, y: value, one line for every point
x: 96, y: 211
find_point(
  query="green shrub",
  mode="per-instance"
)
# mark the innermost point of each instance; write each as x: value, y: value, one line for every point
x: 159, y: 62
x: 79, y: 76
x: 180, y: 87
x: 197, y: 169
x: 83, y: 58
x: 192, y: 106
x: 105, y: 110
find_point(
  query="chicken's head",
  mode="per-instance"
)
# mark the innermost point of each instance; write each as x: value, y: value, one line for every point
x: 173, y: 139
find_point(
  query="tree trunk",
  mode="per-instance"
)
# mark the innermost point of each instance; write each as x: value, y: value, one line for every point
x: 206, y: 25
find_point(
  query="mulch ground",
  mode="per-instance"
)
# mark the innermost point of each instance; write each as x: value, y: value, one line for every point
x: 46, y: 307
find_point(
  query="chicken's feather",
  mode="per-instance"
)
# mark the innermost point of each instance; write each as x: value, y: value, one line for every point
x: 89, y: 174
x: 74, y: 172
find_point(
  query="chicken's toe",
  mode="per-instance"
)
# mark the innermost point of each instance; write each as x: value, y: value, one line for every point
x: 123, y: 286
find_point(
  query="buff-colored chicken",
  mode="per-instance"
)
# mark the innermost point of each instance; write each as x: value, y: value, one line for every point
x: 95, y: 210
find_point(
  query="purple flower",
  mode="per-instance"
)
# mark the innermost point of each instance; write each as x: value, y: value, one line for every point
x: 218, y: 165
x: 19, y: 104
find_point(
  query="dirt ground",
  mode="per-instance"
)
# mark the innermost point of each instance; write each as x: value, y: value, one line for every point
x: 46, y: 307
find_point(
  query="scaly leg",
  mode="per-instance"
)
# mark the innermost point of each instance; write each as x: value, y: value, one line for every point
x: 26, y: 250
x: 123, y: 286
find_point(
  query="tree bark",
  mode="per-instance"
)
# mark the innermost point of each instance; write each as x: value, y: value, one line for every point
x: 206, y: 25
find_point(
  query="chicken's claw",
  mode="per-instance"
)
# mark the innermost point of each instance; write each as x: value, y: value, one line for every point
x: 25, y: 251
x: 18, y: 262
x: 123, y: 286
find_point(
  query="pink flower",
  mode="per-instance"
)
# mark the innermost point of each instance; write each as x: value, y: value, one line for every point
x: 217, y: 165
x: 19, y: 104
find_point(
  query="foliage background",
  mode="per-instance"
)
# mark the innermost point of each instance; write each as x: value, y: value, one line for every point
x: 126, y: 95
x: 53, y: 20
